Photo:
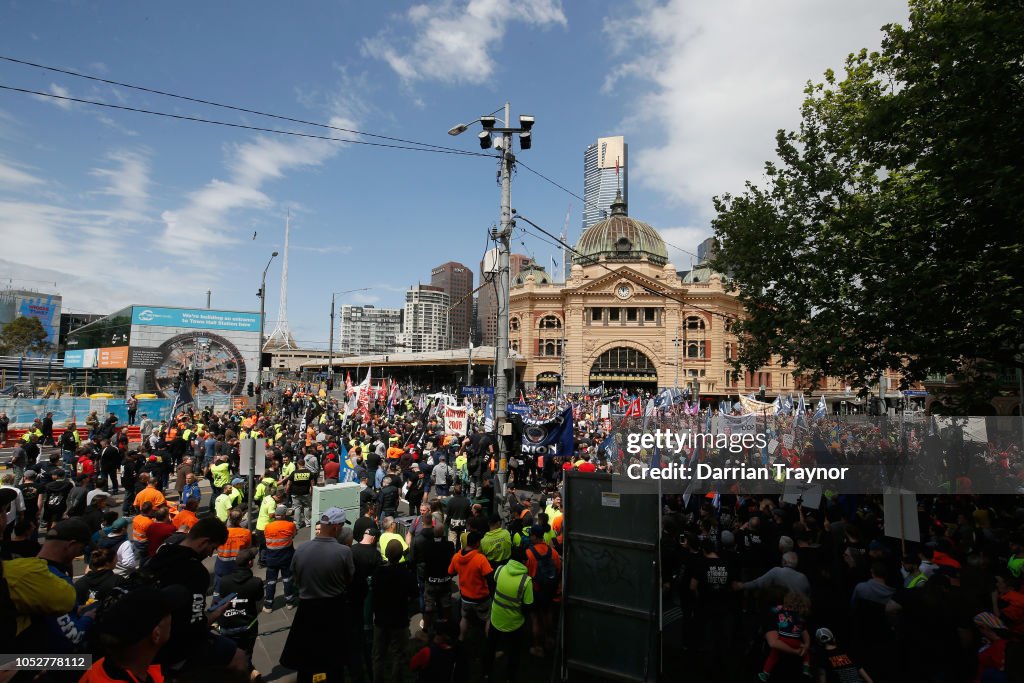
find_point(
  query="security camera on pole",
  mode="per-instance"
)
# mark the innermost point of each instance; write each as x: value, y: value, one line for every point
x: 503, y: 236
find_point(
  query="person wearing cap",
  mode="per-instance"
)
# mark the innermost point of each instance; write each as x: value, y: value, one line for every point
x: 992, y: 654
x: 115, y: 537
x: 513, y: 590
x: 323, y: 572
x: 132, y: 629
x: 64, y: 633
x: 833, y: 663
x: 279, y: 536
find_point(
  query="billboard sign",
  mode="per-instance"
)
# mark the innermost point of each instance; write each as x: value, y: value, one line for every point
x: 43, y: 307
x: 195, y: 318
x: 108, y: 358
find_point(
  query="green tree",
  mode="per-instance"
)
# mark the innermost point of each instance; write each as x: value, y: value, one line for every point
x: 890, y: 232
x: 24, y: 336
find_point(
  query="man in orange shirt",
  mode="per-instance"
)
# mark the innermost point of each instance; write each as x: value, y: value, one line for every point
x: 140, y: 524
x: 187, y: 517
x: 474, y: 573
x: 149, y: 494
x: 279, y: 535
x: 239, y: 538
x: 544, y: 565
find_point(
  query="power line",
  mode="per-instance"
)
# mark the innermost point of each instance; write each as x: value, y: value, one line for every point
x: 590, y: 204
x: 261, y: 129
x: 221, y: 105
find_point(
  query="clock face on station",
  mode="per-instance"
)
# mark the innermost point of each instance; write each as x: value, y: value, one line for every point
x: 221, y: 364
x: 623, y: 291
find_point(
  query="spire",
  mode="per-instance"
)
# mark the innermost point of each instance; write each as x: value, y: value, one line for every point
x: 281, y: 337
x: 618, y: 206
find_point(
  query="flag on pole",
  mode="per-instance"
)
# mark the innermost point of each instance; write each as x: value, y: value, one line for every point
x: 183, y: 398
x: 822, y: 408
x: 349, y: 387
x: 634, y: 409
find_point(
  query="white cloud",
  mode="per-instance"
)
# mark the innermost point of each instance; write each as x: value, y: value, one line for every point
x: 361, y: 299
x: 60, y: 91
x: 718, y: 79
x: 682, y: 244
x: 12, y: 177
x: 128, y: 181
x: 204, y: 220
x: 454, y: 40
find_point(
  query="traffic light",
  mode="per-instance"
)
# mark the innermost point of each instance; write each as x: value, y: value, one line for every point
x: 249, y: 389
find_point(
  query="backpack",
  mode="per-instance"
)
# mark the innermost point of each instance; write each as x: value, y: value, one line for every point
x: 547, y: 574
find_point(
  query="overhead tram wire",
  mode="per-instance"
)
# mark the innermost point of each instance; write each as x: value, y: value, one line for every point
x: 590, y: 204
x: 211, y: 103
x: 593, y: 261
x: 261, y: 129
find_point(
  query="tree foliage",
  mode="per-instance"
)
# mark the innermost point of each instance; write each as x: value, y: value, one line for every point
x: 889, y: 234
x: 24, y: 336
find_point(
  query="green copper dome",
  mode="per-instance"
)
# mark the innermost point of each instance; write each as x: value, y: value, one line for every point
x: 620, y: 238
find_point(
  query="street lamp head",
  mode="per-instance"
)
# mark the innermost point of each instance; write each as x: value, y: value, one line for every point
x: 458, y: 128
x: 273, y: 255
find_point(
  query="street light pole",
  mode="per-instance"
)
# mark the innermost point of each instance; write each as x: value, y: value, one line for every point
x: 503, y: 237
x: 259, y: 378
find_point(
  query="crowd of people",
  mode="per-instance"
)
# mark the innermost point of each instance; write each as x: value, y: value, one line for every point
x: 767, y: 590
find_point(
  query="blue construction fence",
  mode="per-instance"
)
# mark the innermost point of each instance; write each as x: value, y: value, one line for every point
x: 22, y: 411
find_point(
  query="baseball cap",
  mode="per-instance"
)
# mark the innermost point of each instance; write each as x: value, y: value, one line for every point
x: 988, y: 619
x: 70, y: 530
x: 119, y: 524
x: 94, y: 494
x: 372, y: 530
x: 281, y: 511
x: 334, y: 515
x: 824, y: 636
x: 129, y: 617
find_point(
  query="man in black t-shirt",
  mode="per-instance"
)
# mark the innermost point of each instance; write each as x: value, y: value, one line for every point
x: 834, y: 664
x: 55, y: 498
x: 300, y: 487
x: 30, y: 491
x: 193, y: 647
x: 715, y: 581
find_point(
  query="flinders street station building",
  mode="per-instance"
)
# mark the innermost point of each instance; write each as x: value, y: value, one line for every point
x: 627, y: 317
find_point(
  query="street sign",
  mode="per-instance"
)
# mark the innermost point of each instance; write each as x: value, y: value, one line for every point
x: 247, y: 448
x: 518, y: 409
x: 478, y: 391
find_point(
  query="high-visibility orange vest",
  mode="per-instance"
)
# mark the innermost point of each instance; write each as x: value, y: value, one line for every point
x: 185, y: 518
x: 279, y: 534
x: 97, y: 674
x: 139, y: 525
x: 238, y: 539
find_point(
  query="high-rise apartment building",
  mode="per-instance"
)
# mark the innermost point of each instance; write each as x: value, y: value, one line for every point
x: 425, y: 323
x: 487, y: 298
x: 457, y: 282
x: 369, y: 330
x: 605, y: 171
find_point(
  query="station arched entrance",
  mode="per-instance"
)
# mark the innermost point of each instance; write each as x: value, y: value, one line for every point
x: 624, y: 367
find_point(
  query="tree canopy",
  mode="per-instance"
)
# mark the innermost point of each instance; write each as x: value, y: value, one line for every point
x: 889, y: 234
x: 24, y: 336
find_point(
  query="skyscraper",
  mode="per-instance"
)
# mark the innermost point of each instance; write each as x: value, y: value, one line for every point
x: 605, y: 170
x: 367, y: 330
x: 457, y: 282
x: 425, y: 322
x: 487, y: 299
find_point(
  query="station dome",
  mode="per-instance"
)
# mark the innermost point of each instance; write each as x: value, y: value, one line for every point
x: 620, y: 238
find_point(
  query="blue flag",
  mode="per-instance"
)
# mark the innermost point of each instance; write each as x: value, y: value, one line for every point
x: 822, y: 408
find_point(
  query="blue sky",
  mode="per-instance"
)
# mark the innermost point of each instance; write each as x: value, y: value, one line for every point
x: 110, y: 207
